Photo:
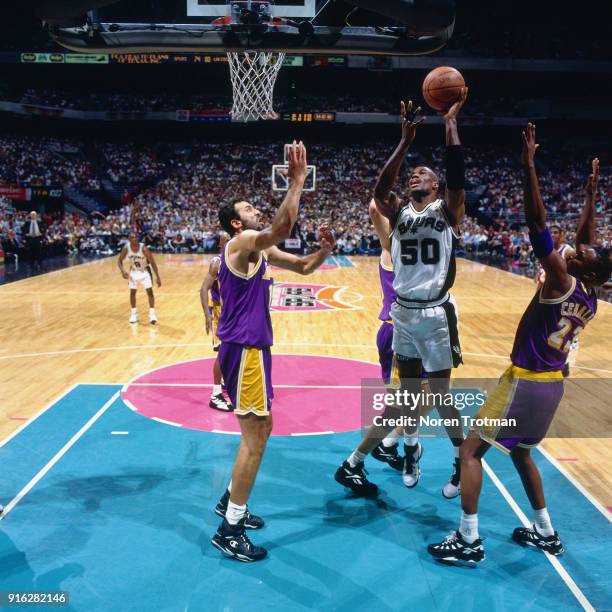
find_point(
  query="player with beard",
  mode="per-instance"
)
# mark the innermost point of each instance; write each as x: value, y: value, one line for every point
x: 245, y: 331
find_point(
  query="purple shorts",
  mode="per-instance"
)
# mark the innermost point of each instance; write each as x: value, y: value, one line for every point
x: 530, y: 399
x: 384, y: 342
x: 247, y: 373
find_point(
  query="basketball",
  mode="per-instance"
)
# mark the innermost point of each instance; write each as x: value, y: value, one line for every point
x: 442, y: 87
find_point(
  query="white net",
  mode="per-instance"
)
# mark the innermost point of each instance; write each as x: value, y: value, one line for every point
x: 253, y: 77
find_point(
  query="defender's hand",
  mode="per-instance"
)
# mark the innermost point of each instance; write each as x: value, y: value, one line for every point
x: 529, y: 144
x: 593, y: 180
x: 410, y: 121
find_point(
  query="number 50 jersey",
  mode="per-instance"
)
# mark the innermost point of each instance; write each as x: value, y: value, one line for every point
x: 423, y: 251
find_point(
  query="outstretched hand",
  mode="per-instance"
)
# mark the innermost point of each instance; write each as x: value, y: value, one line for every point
x: 326, y: 239
x: 593, y: 180
x: 410, y: 121
x: 529, y: 144
x: 453, y: 111
x: 298, y: 162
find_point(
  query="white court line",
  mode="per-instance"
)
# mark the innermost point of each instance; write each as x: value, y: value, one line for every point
x: 210, y: 385
x: 39, y: 413
x: 58, y: 456
x: 207, y: 344
x: 166, y: 422
x: 316, y: 433
x: 569, y: 581
x: 580, y: 488
x: 119, y: 433
x: 228, y: 433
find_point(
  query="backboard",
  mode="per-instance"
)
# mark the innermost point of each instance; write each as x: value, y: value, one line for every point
x: 283, y: 8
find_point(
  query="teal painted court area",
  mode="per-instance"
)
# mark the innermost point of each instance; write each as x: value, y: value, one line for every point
x: 117, y: 509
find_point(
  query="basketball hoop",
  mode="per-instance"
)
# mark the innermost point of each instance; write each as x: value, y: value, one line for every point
x: 253, y: 76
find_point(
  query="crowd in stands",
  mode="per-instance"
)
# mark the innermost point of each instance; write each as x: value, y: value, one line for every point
x: 175, y: 191
x: 135, y: 102
x: 44, y: 161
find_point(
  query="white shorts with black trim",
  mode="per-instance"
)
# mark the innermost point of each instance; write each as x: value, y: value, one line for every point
x: 430, y: 334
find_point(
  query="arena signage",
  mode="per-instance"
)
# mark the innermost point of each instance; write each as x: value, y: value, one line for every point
x: 14, y: 192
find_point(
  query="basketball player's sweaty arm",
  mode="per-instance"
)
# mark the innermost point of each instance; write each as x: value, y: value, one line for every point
x: 585, y: 234
x: 249, y: 241
x: 209, y: 280
x: 153, y: 264
x: 557, y: 281
x: 381, y: 225
x: 120, y: 261
x: 387, y: 201
x: 455, y: 165
x: 308, y: 264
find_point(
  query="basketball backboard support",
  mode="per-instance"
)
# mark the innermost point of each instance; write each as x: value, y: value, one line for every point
x: 298, y: 27
x: 305, y: 9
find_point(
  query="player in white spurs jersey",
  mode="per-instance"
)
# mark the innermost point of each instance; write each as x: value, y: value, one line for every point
x: 424, y: 314
x: 141, y: 261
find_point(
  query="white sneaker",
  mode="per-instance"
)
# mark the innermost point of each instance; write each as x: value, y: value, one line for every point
x: 412, y: 471
x: 152, y: 319
x: 134, y: 318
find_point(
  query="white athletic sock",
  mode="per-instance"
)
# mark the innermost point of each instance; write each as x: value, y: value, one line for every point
x: 133, y: 311
x: 542, y: 522
x: 411, y: 439
x: 216, y: 390
x: 152, y: 311
x: 469, y: 527
x: 391, y: 439
x: 234, y: 513
x: 355, y: 458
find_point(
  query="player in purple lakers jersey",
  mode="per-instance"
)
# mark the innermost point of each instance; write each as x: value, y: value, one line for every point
x: 245, y: 330
x: 210, y: 298
x: 530, y: 390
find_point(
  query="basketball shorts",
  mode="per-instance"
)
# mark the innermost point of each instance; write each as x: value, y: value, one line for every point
x: 215, y: 311
x: 137, y: 277
x: 429, y: 334
x: 528, y: 398
x: 247, y: 373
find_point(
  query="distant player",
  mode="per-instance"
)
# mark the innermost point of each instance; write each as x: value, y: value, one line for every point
x: 141, y: 261
x: 210, y: 297
x: 245, y: 330
x: 425, y: 333
x: 531, y: 389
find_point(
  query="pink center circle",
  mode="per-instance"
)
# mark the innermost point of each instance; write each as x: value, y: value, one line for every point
x: 312, y: 395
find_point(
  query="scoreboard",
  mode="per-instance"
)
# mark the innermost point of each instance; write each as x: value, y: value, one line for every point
x: 308, y: 117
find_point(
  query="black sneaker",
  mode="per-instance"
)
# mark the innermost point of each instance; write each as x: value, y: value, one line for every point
x: 355, y: 479
x: 389, y: 454
x: 453, y: 487
x: 250, y: 520
x: 218, y: 402
x: 530, y: 537
x: 411, y: 470
x: 454, y: 549
x: 232, y: 541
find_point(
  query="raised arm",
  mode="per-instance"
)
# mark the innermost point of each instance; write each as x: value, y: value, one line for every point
x: 387, y: 201
x: 557, y: 279
x: 455, y: 165
x: 585, y: 234
x: 381, y: 225
x: 120, y: 261
x: 153, y: 264
x: 209, y: 279
x: 286, y: 216
x: 308, y: 264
